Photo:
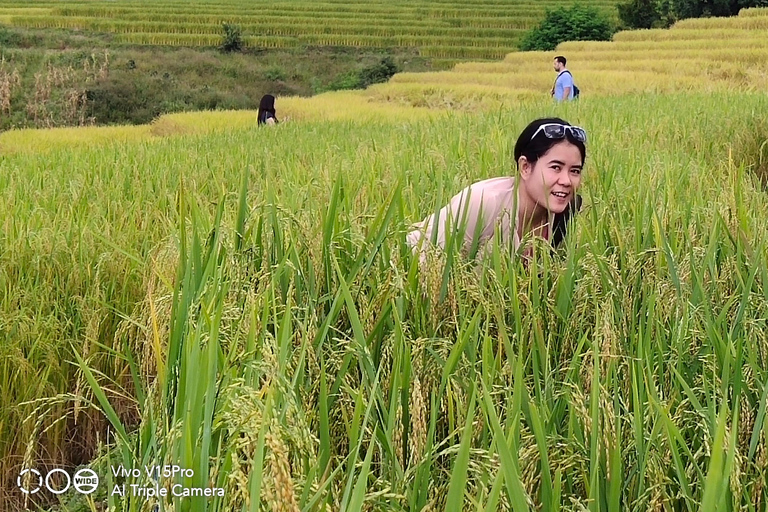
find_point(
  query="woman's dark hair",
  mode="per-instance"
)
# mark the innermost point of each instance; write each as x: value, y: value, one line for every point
x: 266, y: 109
x: 534, y: 149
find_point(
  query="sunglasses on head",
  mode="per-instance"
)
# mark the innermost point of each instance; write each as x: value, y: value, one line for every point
x: 558, y: 131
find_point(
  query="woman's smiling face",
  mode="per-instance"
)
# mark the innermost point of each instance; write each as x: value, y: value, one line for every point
x: 554, y: 178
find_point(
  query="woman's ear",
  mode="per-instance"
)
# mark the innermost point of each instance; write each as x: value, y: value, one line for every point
x: 526, y: 168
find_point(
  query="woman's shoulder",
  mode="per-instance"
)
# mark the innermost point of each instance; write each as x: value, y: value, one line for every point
x: 491, y: 196
x: 500, y: 188
x: 500, y: 183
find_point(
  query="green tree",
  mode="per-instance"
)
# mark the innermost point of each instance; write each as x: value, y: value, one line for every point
x: 663, y: 13
x: 639, y: 13
x: 577, y: 23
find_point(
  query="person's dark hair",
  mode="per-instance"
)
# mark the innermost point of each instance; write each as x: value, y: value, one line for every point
x: 534, y: 149
x: 560, y: 59
x: 266, y: 109
x: 563, y: 219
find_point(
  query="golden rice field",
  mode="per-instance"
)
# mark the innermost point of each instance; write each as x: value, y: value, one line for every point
x: 240, y: 301
x: 708, y: 54
x: 481, y: 29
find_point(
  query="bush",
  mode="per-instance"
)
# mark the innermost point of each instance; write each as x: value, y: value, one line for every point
x: 232, y: 40
x: 10, y: 38
x: 275, y: 74
x: 125, y: 99
x: 377, y: 73
x: 350, y: 80
x: 577, y: 23
x: 369, y: 75
x: 14, y: 37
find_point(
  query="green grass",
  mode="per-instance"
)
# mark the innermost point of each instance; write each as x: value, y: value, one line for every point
x: 125, y: 84
x: 243, y: 304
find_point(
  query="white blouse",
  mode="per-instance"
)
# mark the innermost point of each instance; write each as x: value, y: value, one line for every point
x: 479, y: 210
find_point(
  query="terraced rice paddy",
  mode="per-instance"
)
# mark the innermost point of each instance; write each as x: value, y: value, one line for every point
x: 698, y: 54
x: 241, y: 302
x: 482, y: 29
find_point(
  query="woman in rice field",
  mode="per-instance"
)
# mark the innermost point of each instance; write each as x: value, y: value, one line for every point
x: 539, y: 200
x: 266, y: 113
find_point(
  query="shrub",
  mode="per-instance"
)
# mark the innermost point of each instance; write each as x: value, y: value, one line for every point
x: 577, y: 23
x: 275, y: 74
x: 10, y: 38
x: 232, y: 40
x: 126, y: 99
x: 379, y: 72
x: 350, y: 80
x: 373, y: 74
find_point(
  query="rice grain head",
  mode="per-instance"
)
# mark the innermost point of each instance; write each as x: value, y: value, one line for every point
x: 279, y: 489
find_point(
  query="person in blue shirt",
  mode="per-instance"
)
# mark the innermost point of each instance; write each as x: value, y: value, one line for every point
x: 563, y: 88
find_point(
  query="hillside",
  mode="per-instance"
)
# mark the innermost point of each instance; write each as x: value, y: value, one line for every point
x: 479, y: 29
